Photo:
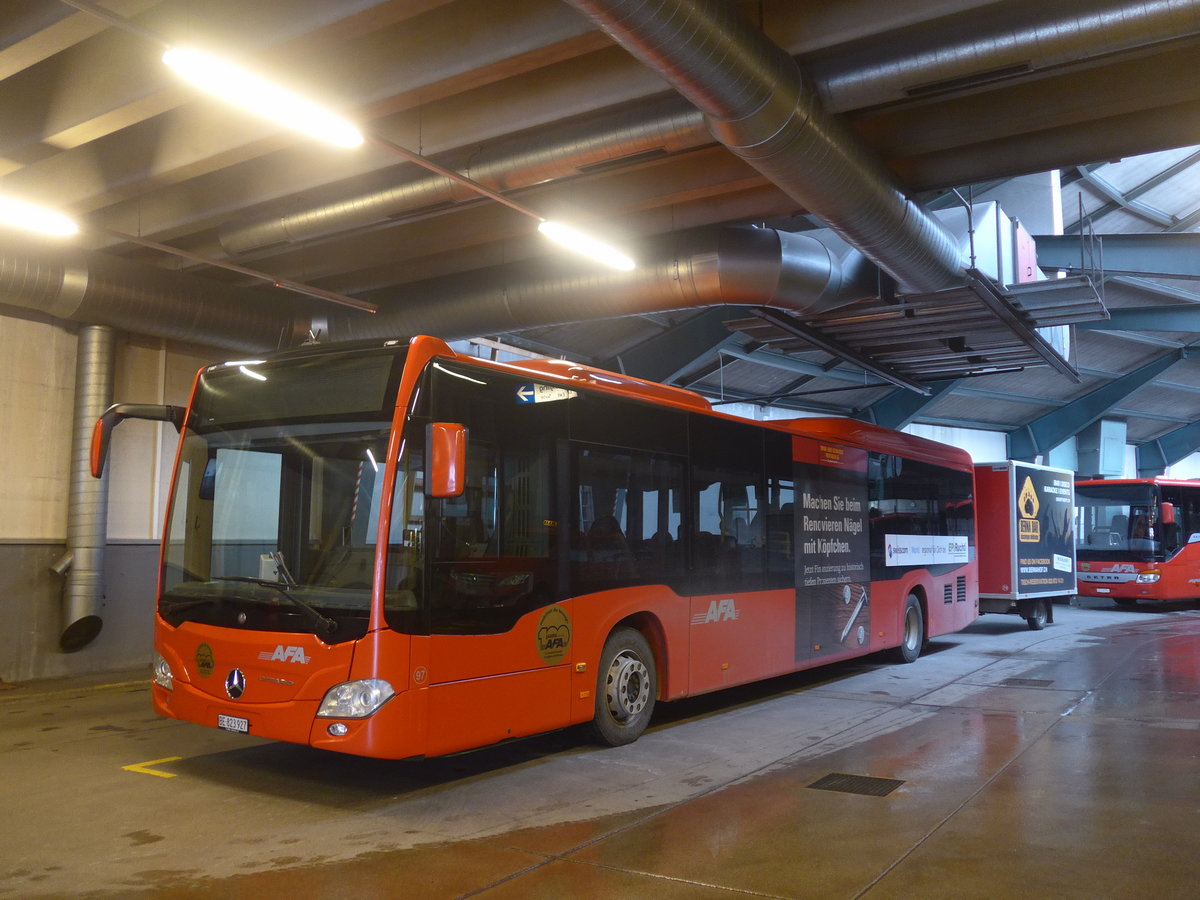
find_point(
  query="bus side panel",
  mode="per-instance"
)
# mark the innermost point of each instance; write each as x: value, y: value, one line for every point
x: 542, y: 637
x: 1180, y: 575
x: 470, y: 705
x: 887, y: 609
x: 952, y: 600
x: 485, y: 711
x: 737, y: 638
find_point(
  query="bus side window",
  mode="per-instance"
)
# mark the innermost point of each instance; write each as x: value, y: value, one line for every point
x: 729, y: 497
x: 778, y: 514
x: 491, y: 549
x: 625, y: 519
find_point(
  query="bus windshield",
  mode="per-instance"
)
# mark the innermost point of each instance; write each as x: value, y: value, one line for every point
x: 1119, y: 522
x: 274, y: 517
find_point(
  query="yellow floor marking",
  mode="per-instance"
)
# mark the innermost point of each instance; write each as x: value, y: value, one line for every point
x: 144, y: 767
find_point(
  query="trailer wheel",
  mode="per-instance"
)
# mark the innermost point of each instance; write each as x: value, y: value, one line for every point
x: 626, y: 687
x: 912, y: 631
x: 1040, y: 616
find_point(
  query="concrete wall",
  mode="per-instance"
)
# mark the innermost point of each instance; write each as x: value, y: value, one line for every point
x: 37, y: 387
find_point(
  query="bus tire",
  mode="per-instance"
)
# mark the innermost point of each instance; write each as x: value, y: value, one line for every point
x: 1040, y: 616
x: 626, y: 687
x: 912, y: 631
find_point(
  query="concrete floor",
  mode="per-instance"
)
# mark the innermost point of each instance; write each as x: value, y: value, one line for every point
x: 1060, y: 763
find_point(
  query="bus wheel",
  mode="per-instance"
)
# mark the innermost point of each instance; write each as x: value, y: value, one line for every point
x: 912, y: 637
x: 626, y: 686
x: 1038, y: 620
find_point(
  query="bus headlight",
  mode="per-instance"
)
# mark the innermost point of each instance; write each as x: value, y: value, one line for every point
x: 163, y: 676
x: 1149, y: 576
x: 355, y: 699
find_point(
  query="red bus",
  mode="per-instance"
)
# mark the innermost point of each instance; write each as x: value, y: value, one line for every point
x: 396, y: 551
x: 1138, y: 539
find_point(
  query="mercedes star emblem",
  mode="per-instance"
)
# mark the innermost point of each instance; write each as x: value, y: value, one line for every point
x: 235, y: 684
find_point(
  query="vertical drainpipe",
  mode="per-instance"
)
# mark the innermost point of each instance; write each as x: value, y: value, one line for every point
x: 87, y: 512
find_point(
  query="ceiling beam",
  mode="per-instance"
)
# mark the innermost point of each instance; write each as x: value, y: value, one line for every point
x: 1048, y: 431
x: 1133, y: 193
x: 901, y: 407
x: 1146, y: 254
x: 1149, y: 318
x: 676, y: 349
x: 1123, y: 200
x: 1154, y: 456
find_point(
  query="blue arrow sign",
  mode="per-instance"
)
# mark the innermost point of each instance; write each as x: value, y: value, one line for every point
x: 526, y: 394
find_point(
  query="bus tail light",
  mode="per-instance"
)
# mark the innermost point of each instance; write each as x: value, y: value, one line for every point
x: 1150, y: 576
x: 355, y: 699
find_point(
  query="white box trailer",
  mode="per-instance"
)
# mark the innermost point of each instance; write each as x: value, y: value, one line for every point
x: 1025, y: 516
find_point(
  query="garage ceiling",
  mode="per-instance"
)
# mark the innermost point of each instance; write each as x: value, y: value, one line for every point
x: 532, y: 99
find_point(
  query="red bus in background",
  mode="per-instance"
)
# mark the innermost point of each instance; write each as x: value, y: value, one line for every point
x: 392, y: 550
x: 1138, y: 539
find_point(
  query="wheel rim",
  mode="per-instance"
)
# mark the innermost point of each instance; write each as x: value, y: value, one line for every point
x: 912, y: 627
x: 628, y: 686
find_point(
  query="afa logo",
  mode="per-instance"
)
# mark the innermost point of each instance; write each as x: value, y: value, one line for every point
x: 205, y: 661
x: 718, y: 611
x: 554, y: 635
x: 285, y: 654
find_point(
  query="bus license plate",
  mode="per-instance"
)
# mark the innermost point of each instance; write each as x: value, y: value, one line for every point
x: 233, y: 723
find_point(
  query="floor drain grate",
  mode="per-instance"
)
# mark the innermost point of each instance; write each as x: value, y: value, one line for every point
x: 1026, y: 682
x: 856, y: 784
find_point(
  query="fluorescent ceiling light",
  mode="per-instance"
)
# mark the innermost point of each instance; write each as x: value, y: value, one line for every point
x: 18, y: 214
x: 588, y: 246
x: 246, y: 370
x: 244, y: 89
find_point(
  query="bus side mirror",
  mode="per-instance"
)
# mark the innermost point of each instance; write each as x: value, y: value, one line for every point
x: 118, y: 413
x: 1166, y: 513
x: 447, y: 444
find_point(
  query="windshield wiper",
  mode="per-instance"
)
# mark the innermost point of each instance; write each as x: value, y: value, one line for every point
x: 277, y: 557
x: 328, y: 625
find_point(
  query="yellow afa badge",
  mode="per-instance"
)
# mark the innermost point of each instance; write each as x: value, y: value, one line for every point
x: 554, y: 635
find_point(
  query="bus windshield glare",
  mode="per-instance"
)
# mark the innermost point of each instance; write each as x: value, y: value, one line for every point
x: 273, y: 522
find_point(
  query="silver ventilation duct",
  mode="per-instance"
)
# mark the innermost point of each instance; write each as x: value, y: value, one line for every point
x: 104, y: 290
x: 757, y: 104
x: 990, y: 43
x: 87, y: 524
x: 744, y: 266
